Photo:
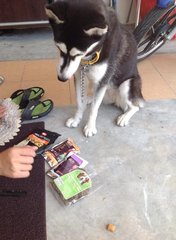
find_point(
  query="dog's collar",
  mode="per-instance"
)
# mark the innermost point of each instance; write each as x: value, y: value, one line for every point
x: 94, y: 59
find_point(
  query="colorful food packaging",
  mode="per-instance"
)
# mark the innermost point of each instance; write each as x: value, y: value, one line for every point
x: 41, y: 138
x: 60, y: 151
x: 71, y: 163
x: 72, y: 186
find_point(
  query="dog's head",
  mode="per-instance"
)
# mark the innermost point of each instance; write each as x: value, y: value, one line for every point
x: 79, y: 26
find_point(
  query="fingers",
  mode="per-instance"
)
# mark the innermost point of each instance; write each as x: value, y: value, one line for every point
x: 27, y: 154
x: 20, y: 167
x: 21, y: 174
x: 20, y: 170
x: 27, y: 151
x: 28, y: 160
x: 25, y: 167
x: 2, y: 111
x: 2, y: 108
x: 17, y: 161
x: 25, y: 160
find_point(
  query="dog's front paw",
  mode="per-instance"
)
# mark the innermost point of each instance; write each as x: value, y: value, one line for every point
x: 89, y: 131
x: 72, y: 122
x: 122, y: 120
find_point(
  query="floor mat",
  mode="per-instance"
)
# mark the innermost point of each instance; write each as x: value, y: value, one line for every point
x: 24, y: 217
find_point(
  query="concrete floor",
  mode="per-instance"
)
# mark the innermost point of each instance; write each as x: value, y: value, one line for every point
x: 135, y: 181
x: 29, y: 43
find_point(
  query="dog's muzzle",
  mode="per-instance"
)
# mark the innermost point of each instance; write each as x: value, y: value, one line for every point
x: 62, y: 79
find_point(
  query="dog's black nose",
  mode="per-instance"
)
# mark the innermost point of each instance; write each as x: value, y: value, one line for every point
x: 62, y: 79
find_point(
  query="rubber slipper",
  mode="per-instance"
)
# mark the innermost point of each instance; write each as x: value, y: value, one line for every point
x: 37, y: 109
x: 22, y: 96
x: 1, y: 80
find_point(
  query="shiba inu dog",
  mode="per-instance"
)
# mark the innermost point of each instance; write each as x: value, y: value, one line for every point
x: 94, y: 47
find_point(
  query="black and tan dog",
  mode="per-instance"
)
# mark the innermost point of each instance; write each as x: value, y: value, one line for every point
x: 94, y: 47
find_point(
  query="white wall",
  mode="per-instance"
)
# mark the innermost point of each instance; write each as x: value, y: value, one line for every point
x: 122, y: 8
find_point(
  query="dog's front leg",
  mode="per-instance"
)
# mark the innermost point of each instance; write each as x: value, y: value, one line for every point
x: 81, y: 103
x: 90, y: 128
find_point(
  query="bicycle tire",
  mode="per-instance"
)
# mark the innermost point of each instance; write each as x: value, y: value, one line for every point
x: 143, y: 28
x: 149, y: 53
x: 150, y: 19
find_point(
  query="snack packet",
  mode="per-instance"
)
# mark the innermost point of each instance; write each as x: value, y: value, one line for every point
x: 60, y: 151
x: 71, y: 163
x: 72, y: 186
x: 41, y: 138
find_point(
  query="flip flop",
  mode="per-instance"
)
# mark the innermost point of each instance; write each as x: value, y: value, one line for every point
x: 22, y: 96
x: 1, y: 80
x: 37, y: 109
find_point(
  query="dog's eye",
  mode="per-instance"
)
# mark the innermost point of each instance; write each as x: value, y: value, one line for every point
x: 76, y: 55
x: 62, y: 47
x: 60, y: 50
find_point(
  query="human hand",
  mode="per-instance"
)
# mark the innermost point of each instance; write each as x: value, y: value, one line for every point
x: 2, y: 111
x: 16, y: 162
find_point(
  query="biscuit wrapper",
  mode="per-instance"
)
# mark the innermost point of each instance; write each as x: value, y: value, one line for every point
x: 72, y: 176
x: 60, y: 152
x: 40, y: 138
x: 72, y: 162
x: 72, y: 186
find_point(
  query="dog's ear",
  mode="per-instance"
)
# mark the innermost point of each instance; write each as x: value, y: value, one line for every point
x: 96, y: 31
x: 55, y: 12
x: 52, y: 16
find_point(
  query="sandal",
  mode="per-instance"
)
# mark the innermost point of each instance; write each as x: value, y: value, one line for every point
x: 37, y: 109
x: 22, y: 97
x: 1, y: 80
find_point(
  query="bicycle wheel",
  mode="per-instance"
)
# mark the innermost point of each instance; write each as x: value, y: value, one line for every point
x: 149, y: 34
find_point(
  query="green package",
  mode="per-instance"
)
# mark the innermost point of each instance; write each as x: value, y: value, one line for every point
x: 72, y: 183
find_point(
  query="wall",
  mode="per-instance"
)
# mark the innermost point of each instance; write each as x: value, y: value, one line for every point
x: 123, y: 7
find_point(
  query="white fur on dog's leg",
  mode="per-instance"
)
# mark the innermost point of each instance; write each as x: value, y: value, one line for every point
x: 72, y: 122
x: 89, y: 130
x: 81, y: 104
x: 89, y: 100
x: 124, y: 118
